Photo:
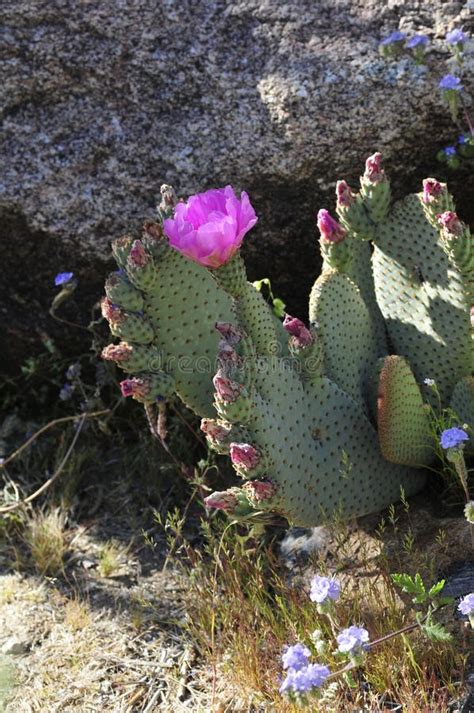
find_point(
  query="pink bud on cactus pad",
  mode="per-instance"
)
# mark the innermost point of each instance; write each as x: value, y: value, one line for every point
x: 214, y: 430
x: 450, y: 222
x: 374, y: 172
x: 432, y: 189
x: 225, y: 500
x: 135, y: 387
x: 229, y: 332
x: 209, y: 227
x: 345, y: 197
x: 138, y: 256
x: 243, y: 455
x: 227, y: 356
x: 226, y: 389
x: 112, y: 313
x: 329, y: 228
x: 297, y: 329
x: 258, y: 491
x: 117, y: 352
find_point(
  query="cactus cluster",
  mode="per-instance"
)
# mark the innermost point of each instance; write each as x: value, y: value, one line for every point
x: 330, y: 418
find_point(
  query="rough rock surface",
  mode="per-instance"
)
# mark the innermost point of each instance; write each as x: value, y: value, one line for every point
x: 103, y: 100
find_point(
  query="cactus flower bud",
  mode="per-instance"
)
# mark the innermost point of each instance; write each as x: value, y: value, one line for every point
x: 432, y: 189
x: 295, y: 327
x: 450, y: 222
x: 226, y: 389
x: 214, y: 430
x: 345, y: 197
x: 227, y: 356
x: 245, y: 456
x: 229, y: 332
x: 111, y: 312
x: 374, y: 172
x: 329, y: 228
x: 225, y: 500
x: 258, y: 491
x: 136, y: 387
x: 138, y: 256
x: 117, y: 352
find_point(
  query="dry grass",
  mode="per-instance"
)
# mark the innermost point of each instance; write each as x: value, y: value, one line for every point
x: 244, y: 607
x: 45, y: 538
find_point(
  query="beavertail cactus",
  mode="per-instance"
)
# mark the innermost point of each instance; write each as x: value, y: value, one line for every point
x: 317, y: 419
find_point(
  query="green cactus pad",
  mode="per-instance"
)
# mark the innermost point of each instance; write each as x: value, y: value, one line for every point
x: 403, y: 421
x: 462, y: 401
x: 422, y: 296
x: 345, y: 329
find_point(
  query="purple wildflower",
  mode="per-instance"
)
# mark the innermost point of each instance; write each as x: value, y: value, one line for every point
x: 449, y: 151
x: 455, y: 37
x: 296, y: 657
x: 324, y: 589
x: 396, y: 36
x: 453, y: 437
x: 449, y: 81
x: 417, y: 41
x: 461, y: 139
x: 66, y: 392
x: 62, y: 278
x: 305, y: 679
x: 353, y: 640
x: 466, y: 605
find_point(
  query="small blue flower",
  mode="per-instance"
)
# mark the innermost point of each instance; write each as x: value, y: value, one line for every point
x: 429, y: 382
x: 396, y: 36
x: 417, y: 41
x: 66, y: 392
x: 62, y: 278
x: 449, y: 81
x: 466, y: 605
x: 296, y: 657
x: 450, y: 151
x: 305, y: 679
x: 461, y: 139
x: 453, y: 437
x: 323, y: 589
x: 455, y: 37
x: 352, y: 640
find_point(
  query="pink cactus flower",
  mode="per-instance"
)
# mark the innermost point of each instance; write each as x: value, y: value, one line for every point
x: 450, y: 222
x: 135, y: 387
x: 225, y: 500
x: 138, y: 256
x: 243, y: 455
x: 209, y: 227
x: 258, y: 491
x: 329, y: 228
x: 432, y: 189
x: 345, y: 197
x: 226, y: 389
x: 214, y: 430
x: 297, y: 329
x: 229, y: 332
x: 472, y: 316
x: 117, y: 352
x: 112, y: 313
x: 374, y: 172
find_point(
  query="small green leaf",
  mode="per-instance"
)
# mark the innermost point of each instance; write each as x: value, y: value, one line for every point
x: 436, y: 588
x: 436, y: 632
x: 411, y: 585
x: 279, y: 307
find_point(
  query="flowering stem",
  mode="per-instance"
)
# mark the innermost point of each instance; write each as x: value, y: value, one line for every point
x: 461, y: 470
x: 351, y: 666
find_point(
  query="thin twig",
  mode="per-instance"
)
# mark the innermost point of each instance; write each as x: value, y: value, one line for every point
x: 53, y: 478
x: 63, y: 419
